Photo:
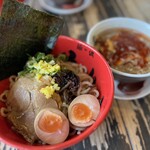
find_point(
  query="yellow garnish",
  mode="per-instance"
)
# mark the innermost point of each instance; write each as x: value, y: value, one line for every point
x: 43, y: 67
x: 47, y: 91
x: 56, y: 87
x: 38, y: 76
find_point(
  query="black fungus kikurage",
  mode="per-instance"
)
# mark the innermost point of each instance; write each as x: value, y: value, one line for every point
x: 68, y: 83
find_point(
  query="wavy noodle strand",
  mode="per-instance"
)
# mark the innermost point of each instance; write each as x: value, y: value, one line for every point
x: 3, y: 96
x: 4, y: 111
x: 94, y: 92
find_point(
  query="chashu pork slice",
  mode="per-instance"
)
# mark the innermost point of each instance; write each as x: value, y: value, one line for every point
x: 25, y: 101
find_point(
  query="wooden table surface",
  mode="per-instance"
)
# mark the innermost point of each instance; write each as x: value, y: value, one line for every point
x: 127, y: 126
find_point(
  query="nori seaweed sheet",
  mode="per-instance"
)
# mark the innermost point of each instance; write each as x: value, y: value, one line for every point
x: 24, y: 31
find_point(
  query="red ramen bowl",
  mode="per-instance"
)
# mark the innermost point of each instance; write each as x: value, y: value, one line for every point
x: 83, y: 54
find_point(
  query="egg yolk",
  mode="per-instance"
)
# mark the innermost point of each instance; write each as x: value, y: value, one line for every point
x: 81, y: 113
x: 50, y: 122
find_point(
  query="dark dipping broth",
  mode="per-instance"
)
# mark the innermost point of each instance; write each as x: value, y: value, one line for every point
x: 125, y: 50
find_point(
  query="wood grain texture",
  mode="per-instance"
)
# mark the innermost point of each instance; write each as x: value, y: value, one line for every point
x: 127, y: 126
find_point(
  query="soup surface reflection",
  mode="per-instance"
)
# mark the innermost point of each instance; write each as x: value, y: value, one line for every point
x: 125, y: 50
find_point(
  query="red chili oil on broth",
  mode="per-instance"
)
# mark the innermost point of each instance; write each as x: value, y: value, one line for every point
x: 125, y: 50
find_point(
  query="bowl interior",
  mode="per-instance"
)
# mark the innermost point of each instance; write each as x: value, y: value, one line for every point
x: 98, y: 69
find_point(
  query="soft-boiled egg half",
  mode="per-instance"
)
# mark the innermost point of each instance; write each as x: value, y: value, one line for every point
x: 51, y: 126
x: 84, y: 110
